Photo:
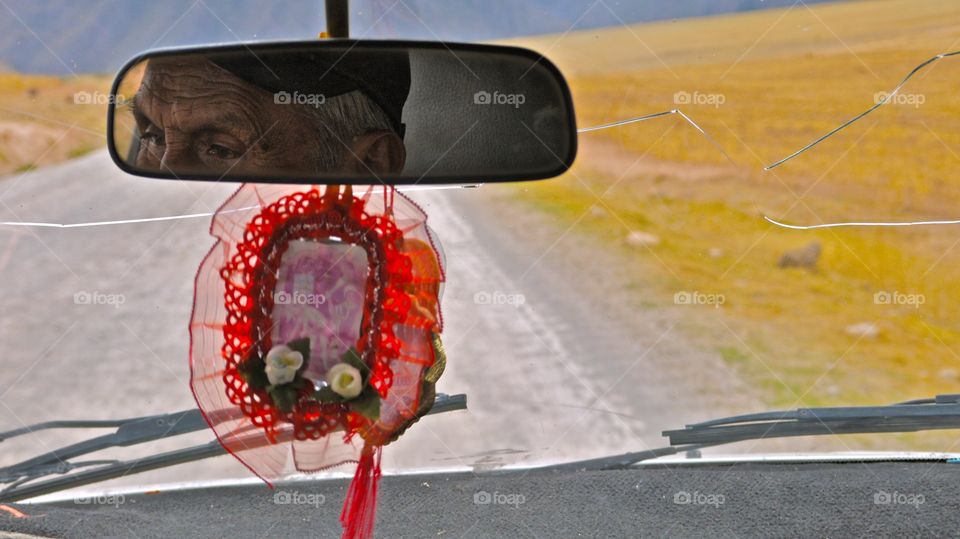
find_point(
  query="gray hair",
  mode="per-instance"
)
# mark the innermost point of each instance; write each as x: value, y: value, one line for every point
x: 339, y: 121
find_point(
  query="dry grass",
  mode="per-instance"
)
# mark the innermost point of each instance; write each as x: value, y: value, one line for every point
x: 42, y: 122
x: 784, y: 329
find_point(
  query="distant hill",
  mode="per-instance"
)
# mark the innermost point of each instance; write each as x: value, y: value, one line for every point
x: 63, y: 36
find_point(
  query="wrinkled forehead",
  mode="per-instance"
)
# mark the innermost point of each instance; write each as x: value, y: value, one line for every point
x: 193, y: 93
x: 167, y: 66
x: 173, y: 72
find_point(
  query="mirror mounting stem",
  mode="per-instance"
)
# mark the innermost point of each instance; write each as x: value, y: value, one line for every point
x: 338, y: 18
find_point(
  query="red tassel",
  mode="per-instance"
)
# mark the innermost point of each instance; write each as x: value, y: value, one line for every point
x: 360, y: 507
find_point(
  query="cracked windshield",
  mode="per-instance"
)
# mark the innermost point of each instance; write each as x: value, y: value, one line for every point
x: 762, y: 215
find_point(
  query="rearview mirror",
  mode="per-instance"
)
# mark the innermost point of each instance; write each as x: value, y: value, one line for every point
x: 342, y: 112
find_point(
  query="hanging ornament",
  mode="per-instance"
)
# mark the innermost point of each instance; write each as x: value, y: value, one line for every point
x: 315, y: 331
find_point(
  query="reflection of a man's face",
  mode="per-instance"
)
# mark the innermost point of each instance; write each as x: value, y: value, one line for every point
x: 194, y: 117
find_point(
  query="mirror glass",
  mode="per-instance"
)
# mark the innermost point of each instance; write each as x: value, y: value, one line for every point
x: 343, y: 111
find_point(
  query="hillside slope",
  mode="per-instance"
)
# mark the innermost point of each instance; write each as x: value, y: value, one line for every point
x: 875, y: 320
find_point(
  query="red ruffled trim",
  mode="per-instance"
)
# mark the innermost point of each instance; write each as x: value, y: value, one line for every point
x: 234, y: 297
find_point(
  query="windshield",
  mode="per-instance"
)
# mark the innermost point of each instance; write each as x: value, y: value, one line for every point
x: 651, y: 286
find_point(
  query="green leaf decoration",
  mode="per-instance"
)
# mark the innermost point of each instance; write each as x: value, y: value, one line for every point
x: 327, y: 395
x: 301, y: 345
x: 284, y: 397
x: 252, y: 371
x: 300, y: 382
x: 352, y: 357
x: 367, y: 404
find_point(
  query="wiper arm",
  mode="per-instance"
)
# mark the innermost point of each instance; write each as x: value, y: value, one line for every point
x: 129, y: 432
x: 941, y: 412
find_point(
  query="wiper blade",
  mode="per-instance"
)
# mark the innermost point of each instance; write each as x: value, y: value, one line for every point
x: 129, y: 432
x: 941, y: 412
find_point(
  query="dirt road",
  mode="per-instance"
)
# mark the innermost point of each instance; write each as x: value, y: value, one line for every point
x: 94, y: 325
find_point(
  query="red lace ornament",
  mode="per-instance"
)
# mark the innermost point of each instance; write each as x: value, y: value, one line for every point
x: 232, y: 322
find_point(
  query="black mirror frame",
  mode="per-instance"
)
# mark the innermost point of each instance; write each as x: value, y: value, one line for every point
x: 563, y: 162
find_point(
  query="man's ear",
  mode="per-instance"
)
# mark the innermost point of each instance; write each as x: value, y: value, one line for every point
x: 381, y: 152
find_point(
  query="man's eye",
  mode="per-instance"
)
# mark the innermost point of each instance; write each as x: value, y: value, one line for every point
x: 222, y: 152
x: 152, y: 137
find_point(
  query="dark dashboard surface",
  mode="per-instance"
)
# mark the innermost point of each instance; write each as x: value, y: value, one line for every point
x: 854, y: 499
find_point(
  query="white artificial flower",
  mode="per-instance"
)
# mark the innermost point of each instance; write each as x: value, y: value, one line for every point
x: 345, y: 380
x: 282, y: 363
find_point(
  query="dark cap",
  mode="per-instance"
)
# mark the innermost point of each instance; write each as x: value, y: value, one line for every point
x: 381, y: 74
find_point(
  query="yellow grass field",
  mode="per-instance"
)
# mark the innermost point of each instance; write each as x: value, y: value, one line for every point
x: 46, y: 120
x: 784, y: 77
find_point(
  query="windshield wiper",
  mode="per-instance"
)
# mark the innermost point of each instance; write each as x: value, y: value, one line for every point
x: 19, y: 478
x: 940, y: 412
